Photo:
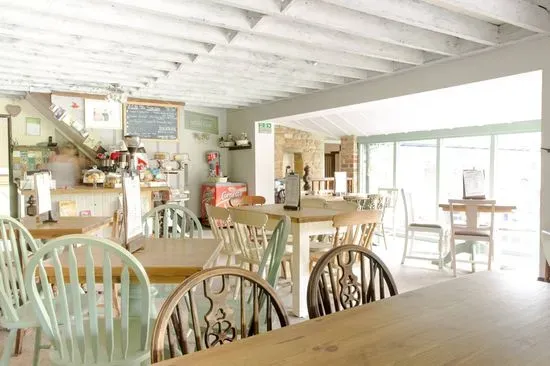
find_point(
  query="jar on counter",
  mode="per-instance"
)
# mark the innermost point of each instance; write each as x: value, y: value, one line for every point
x: 113, y: 180
x: 93, y: 176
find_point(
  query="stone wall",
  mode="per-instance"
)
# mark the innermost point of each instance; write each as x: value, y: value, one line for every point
x: 349, y: 158
x: 290, y: 140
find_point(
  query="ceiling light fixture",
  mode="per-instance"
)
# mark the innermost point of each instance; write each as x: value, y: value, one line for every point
x: 311, y: 62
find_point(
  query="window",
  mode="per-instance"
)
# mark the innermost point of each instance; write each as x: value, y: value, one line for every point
x: 416, y: 174
x: 380, y: 166
x: 458, y: 154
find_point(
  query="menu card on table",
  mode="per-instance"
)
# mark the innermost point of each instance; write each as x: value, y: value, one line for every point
x: 131, y: 206
x: 292, y: 192
x: 473, y: 184
x: 42, y: 185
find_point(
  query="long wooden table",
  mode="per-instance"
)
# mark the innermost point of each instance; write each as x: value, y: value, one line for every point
x: 481, y: 319
x: 305, y: 222
x: 164, y: 260
x: 65, y: 225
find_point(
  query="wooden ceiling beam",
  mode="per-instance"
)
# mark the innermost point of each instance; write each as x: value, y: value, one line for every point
x: 427, y: 16
x: 521, y: 13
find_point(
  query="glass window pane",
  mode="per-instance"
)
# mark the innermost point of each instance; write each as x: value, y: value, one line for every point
x: 458, y: 154
x: 517, y: 182
x: 380, y: 166
x: 416, y: 171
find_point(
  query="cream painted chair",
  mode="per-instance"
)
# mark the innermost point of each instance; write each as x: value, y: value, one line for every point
x: 251, y: 237
x: 90, y: 338
x: 471, y: 230
x: 413, y: 226
x: 221, y: 225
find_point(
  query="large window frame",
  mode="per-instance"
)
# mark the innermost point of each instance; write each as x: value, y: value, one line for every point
x: 487, y: 130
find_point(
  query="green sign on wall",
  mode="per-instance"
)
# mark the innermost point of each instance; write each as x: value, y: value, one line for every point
x: 201, y: 122
x: 264, y: 127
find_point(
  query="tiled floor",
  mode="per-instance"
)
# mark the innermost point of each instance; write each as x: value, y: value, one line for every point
x: 414, y: 274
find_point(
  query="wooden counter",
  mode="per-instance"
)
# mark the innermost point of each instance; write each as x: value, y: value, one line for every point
x: 91, y: 190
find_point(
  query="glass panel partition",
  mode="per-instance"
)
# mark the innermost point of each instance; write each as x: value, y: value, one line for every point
x: 379, y: 166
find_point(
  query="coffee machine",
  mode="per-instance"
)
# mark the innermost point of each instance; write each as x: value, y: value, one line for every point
x: 213, y: 160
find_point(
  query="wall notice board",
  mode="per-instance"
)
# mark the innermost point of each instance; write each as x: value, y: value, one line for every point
x: 151, y: 121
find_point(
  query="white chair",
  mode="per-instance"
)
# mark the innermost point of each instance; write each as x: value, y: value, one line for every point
x: 16, y: 313
x: 471, y: 230
x: 220, y: 223
x: 171, y: 221
x: 545, y: 239
x: 90, y: 338
x: 412, y: 226
x: 390, y: 199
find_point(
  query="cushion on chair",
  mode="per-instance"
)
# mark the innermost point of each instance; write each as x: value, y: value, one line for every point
x: 431, y: 226
x: 471, y: 233
x: 316, y: 246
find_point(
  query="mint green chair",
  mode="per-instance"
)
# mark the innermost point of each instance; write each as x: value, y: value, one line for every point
x: 88, y: 337
x: 171, y: 221
x: 16, y: 313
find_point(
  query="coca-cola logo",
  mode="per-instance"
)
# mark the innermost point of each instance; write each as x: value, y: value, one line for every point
x: 227, y: 195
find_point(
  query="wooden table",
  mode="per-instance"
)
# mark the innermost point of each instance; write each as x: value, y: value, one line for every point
x: 480, y: 319
x: 65, y: 225
x: 164, y: 260
x: 305, y: 222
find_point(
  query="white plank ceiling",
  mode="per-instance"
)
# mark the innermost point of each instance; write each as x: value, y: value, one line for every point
x: 503, y: 100
x: 238, y: 53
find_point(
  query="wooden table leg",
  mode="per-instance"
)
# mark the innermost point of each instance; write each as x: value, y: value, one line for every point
x: 300, y: 269
x: 19, y: 342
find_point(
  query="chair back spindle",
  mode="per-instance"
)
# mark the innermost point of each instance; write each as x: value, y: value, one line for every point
x: 171, y: 221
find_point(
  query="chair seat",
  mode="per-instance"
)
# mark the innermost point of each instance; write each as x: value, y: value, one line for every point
x: 134, y: 357
x: 425, y: 225
x: 472, y: 233
x: 27, y: 316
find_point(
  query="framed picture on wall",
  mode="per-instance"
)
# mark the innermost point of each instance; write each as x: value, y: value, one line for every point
x: 32, y: 126
x: 101, y: 114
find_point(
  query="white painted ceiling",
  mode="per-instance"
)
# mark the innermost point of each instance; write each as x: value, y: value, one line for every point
x: 503, y: 100
x: 237, y: 53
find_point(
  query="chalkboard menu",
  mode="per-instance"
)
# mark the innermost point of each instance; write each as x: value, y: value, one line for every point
x: 151, y: 121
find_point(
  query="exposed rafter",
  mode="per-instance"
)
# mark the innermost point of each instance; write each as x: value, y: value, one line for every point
x: 521, y: 13
x: 427, y: 16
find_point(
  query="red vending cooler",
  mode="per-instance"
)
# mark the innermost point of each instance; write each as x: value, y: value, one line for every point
x: 219, y: 194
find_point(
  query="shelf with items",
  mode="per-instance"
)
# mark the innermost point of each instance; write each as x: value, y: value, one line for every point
x: 240, y: 147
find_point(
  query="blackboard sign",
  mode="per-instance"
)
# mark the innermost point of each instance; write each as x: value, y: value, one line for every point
x: 151, y: 121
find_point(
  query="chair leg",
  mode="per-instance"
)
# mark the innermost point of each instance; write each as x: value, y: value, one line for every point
x: 453, y: 255
x: 405, y: 247
x: 490, y: 257
x: 440, y: 250
x: 384, y: 237
x: 473, y: 257
x: 8, y: 347
x: 19, y: 342
x: 37, y: 346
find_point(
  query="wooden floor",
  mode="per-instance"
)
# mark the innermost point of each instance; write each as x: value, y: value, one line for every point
x: 413, y: 275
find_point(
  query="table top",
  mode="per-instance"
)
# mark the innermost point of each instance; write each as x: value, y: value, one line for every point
x: 498, y: 208
x: 164, y: 260
x: 482, y: 319
x: 65, y: 225
x: 303, y: 215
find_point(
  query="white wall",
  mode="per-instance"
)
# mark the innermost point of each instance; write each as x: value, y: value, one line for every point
x: 514, y: 59
x: 19, y: 124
